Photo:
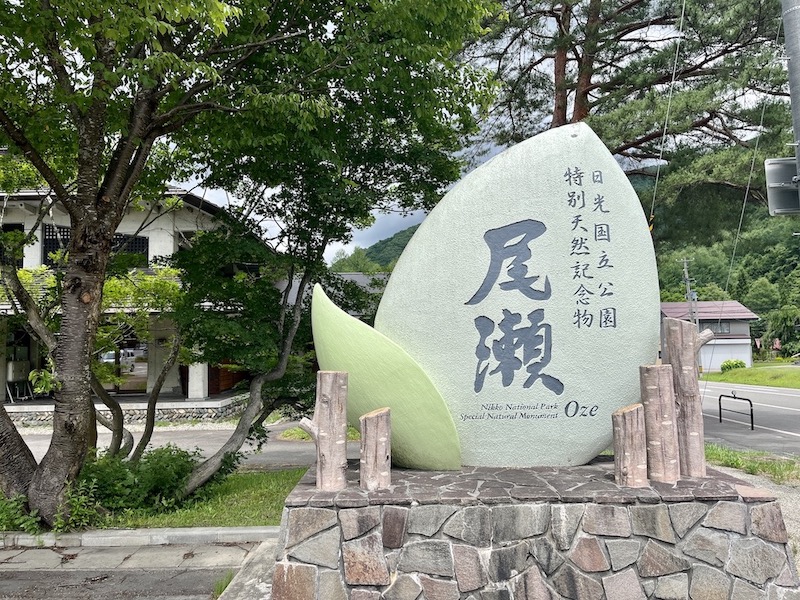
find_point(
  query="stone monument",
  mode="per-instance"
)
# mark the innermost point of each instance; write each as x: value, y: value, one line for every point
x: 513, y: 326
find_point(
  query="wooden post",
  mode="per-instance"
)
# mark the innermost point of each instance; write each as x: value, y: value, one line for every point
x: 630, y: 446
x: 329, y: 430
x: 681, y: 346
x: 376, y: 453
x: 658, y: 399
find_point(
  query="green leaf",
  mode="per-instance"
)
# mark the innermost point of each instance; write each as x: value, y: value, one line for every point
x: 382, y: 374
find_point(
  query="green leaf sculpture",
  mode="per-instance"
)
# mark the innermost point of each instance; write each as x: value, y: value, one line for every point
x: 382, y: 374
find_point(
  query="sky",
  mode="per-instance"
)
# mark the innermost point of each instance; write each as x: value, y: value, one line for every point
x: 385, y: 226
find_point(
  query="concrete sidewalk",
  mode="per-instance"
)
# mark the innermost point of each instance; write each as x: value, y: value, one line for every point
x: 163, y: 564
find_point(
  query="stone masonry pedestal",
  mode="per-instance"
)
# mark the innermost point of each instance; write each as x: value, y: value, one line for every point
x: 530, y: 534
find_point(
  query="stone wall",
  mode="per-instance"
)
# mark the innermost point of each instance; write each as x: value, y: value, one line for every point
x: 29, y: 415
x: 525, y: 534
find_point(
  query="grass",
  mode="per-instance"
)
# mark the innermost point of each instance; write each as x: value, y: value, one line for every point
x: 243, y: 499
x: 770, y: 374
x: 778, y: 469
x: 295, y: 434
x: 221, y: 584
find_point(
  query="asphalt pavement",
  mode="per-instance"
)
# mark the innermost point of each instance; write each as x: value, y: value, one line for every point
x: 776, y: 417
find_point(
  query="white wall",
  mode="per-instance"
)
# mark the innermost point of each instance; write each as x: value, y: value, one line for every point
x: 713, y: 354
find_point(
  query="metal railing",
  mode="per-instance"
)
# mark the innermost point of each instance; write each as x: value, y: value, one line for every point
x: 733, y: 396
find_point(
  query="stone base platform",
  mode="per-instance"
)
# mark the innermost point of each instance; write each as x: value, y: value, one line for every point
x: 530, y: 534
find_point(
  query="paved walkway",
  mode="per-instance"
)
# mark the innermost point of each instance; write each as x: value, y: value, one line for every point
x: 163, y: 564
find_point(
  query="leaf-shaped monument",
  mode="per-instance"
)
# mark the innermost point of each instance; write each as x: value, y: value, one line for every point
x: 529, y: 296
x: 381, y: 374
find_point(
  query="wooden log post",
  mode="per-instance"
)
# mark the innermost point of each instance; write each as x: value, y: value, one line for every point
x: 375, y: 465
x: 658, y: 399
x: 630, y: 446
x: 329, y: 430
x: 682, y: 344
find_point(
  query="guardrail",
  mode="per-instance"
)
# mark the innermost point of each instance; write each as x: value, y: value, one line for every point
x: 733, y: 396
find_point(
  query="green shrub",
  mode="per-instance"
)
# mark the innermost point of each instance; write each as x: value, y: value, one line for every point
x: 732, y: 363
x: 15, y: 517
x: 155, y: 482
x: 80, y: 509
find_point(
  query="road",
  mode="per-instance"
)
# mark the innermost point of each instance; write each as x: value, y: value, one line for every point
x: 776, y: 417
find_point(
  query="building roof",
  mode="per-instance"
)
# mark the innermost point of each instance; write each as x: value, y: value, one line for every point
x: 713, y: 310
x: 189, y: 199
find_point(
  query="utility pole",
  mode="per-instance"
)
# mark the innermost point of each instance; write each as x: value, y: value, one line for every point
x: 691, y: 295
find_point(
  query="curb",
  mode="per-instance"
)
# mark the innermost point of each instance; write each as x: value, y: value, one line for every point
x: 140, y: 537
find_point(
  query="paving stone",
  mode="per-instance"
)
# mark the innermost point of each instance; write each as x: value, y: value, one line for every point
x: 472, y: 525
x: 305, y: 522
x: 745, y: 591
x: 730, y: 516
x: 519, y: 521
x: 546, y: 554
x: 434, y: 557
x: 321, y: 550
x: 709, y: 545
x: 779, y: 593
x: 657, y: 560
x: 470, y: 574
x: 531, y: 586
x: 496, y: 595
x: 571, y: 583
x: 652, y: 521
x: 404, y: 587
x: 331, y: 586
x: 623, y: 553
x: 395, y: 522
x: 755, y: 560
x: 788, y: 577
x: 505, y: 563
x: 751, y: 494
x: 649, y: 586
x: 685, y: 515
x: 356, y: 522
x: 709, y: 583
x: 564, y: 521
x: 360, y: 594
x: 766, y: 521
x: 364, y: 563
x: 606, y: 520
x: 672, y: 587
x: 439, y: 589
x: 292, y: 581
x: 428, y: 519
x: 588, y: 555
x: 624, y: 585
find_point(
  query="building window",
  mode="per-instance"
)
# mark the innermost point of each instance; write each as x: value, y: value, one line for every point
x: 56, y: 238
x: 718, y: 327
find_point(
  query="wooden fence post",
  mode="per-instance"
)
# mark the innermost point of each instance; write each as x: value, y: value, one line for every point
x: 681, y: 345
x: 329, y: 430
x: 630, y: 446
x: 658, y: 399
x: 376, y: 450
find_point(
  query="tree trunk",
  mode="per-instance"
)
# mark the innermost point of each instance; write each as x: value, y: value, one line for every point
x: 658, y: 399
x: 73, y: 412
x: 560, y: 66
x: 375, y: 466
x: 18, y: 465
x: 117, y: 423
x: 329, y: 430
x: 630, y: 446
x: 586, y: 64
x: 681, y: 346
x: 207, y: 469
x: 127, y: 439
x: 150, y: 420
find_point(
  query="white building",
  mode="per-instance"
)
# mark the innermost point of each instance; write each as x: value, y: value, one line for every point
x: 157, y: 231
x: 730, y: 322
